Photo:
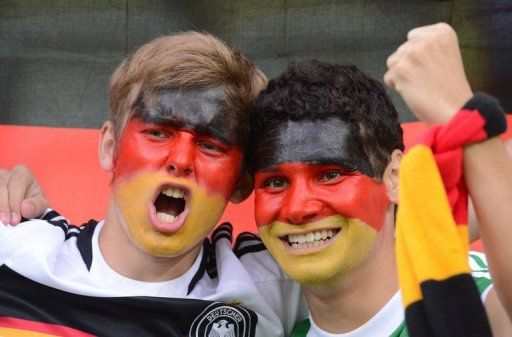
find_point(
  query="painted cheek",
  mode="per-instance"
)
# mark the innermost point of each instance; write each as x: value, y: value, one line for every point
x: 266, y: 207
x: 360, y: 197
x: 219, y: 175
x: 136, y: 153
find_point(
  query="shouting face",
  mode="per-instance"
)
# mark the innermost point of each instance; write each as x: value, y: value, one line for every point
x: 318, y: 209
x: 177, y: 166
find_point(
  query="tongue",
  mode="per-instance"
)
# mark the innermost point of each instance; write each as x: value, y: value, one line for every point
x: 169, y: 205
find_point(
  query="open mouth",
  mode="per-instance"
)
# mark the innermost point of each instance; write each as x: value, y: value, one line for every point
x: 170, y: 203
x: 311, y: 239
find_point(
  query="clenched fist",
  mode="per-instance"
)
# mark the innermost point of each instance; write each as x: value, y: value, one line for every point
x: 428, y: 73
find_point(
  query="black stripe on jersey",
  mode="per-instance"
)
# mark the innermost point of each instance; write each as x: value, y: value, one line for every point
x: 50, y: 215
x: 202, y: 268
x: 84, y: 242
x: 244, y: 238
x: 208, y: 264
x: 141, y: 316
x: 223, y: 231
x: 54, y: 218
x: 211, y: 260
x: 250, y: 249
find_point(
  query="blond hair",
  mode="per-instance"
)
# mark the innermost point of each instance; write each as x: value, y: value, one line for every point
x: 180, y: 61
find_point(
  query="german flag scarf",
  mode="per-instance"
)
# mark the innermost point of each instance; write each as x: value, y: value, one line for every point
x: 439, y: 295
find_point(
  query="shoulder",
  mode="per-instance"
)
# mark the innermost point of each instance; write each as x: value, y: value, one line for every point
x: 255, y: 257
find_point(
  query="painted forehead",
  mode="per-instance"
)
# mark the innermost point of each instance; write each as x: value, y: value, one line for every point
x: 202, y: 110
x: 328, y: 141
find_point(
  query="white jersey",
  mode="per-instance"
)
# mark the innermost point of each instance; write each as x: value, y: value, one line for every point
x: 48, y: 284
x: 390, y: 320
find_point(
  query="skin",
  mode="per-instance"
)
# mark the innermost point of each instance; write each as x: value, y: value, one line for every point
x: 428, y: 68
x: 304, y: 196
x: 165, y: 145
x: 195, y: 163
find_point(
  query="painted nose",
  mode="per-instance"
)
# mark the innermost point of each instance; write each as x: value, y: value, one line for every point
x: 299, y: 206
x: 181, y: 155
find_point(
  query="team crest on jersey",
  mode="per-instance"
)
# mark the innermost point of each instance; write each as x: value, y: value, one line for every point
x: 222, y: 320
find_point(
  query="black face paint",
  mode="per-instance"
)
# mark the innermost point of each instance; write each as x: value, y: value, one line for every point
x: 327, y: 141
x: 202, y: 110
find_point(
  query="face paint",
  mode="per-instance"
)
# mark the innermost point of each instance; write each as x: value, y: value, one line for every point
x: 329, y: 141
x: 202, y: 110
x: 171, y: 181
x: 319, y: 220
x: 342, y: 245
x: 135, y: 199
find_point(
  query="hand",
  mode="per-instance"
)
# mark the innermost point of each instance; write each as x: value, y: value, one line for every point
x: 428, y: 73
x: 20, y: 195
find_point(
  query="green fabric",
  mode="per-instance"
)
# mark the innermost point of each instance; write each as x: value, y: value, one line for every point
x: 401, y: 331
x: 482, y: 283
x: 302, y: 329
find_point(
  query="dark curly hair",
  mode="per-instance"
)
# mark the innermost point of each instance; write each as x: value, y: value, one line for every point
x: 318, y: 90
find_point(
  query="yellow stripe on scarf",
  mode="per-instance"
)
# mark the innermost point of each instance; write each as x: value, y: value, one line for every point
x: 429, y: 245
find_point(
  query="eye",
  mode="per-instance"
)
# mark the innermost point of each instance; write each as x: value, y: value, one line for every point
x: 210, y: 147
x: 330, y: 176
x: 276, y: 183
x: 157, y: 134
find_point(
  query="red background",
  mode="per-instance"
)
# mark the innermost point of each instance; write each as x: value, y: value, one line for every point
x: 65, y: 163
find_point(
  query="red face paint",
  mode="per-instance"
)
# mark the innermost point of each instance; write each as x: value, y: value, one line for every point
x: 180, y: 152
x: 300, y: 193
x: 176, y: 168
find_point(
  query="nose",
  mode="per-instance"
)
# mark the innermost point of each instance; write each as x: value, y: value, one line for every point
x: 300, y: 205
x: 180, y: 161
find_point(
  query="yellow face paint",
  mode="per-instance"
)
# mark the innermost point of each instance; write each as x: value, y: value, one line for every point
x: 134, y: 198
x: 323, y: 265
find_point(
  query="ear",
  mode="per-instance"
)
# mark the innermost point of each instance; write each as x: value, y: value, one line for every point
x: 390, y: 177
x: 107, y: 147
x: 243, y: 188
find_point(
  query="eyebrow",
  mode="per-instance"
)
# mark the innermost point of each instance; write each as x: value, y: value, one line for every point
x: 203, y: 130
x: 344, y: 163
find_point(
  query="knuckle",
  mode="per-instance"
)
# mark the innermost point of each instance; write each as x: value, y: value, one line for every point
x: 4, y: 176
x: 21, y: 168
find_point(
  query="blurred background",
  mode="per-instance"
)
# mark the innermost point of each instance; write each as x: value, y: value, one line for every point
x: 56, y: 58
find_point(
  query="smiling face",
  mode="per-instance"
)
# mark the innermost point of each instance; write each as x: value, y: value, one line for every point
x: 317, y: 208
x: 177, y: 166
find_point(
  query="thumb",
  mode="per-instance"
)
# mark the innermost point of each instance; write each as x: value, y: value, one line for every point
x: 34, y: 207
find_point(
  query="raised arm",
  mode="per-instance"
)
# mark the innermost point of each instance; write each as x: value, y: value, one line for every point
x: 428, y: 73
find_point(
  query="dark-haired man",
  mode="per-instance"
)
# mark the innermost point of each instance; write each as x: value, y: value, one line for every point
x: 326, y: 182
x: 327, y: 149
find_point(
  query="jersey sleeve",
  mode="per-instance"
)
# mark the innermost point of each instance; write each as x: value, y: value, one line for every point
x: 56, y: 219
x: 282, y: 294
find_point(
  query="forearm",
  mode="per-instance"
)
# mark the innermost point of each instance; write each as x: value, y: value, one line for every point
x: 488, y: 174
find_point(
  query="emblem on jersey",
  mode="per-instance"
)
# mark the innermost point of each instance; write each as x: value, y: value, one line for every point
x: 223, y: 320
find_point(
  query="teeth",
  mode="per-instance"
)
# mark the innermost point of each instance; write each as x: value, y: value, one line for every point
x: 165, y: 217
x: 311, y: 239
x: 173, y: 192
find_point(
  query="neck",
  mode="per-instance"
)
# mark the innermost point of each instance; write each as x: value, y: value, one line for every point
x: 127, y: 259
x: 360, y: 295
